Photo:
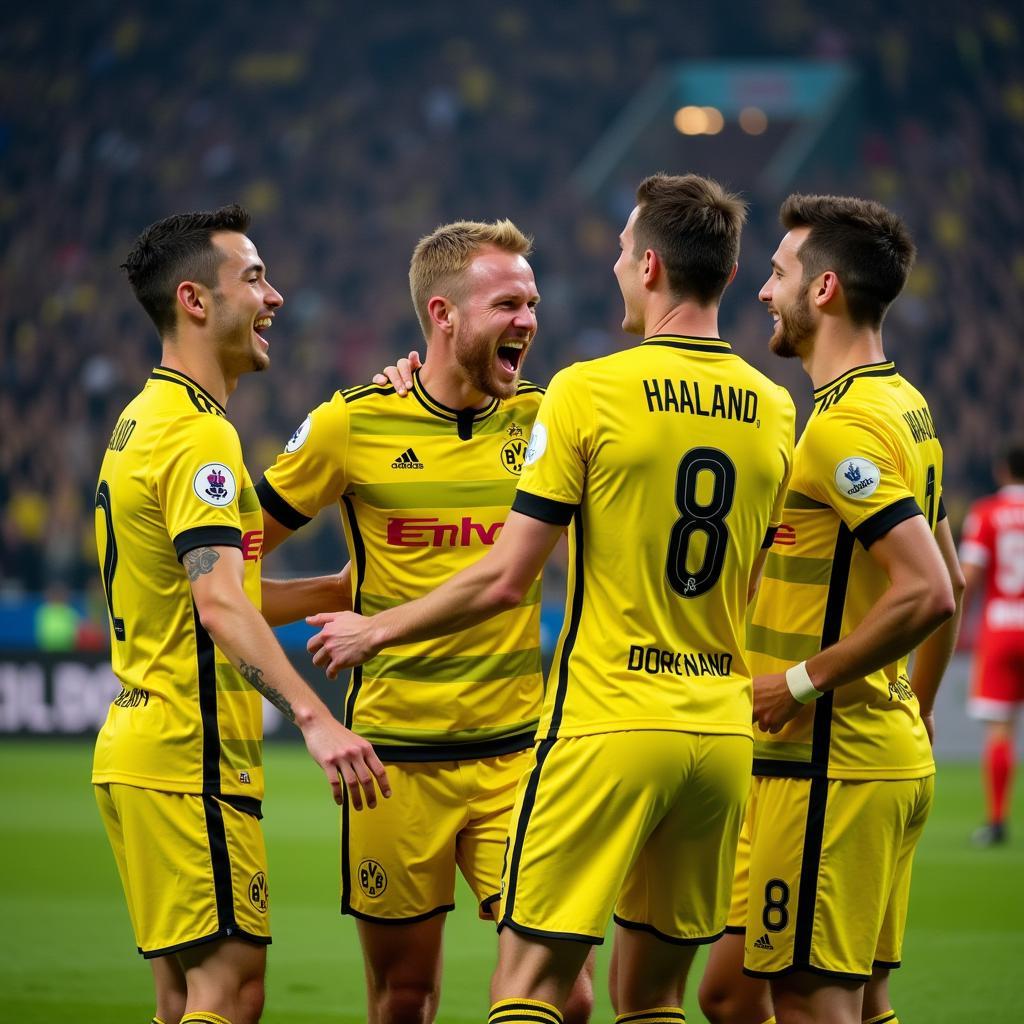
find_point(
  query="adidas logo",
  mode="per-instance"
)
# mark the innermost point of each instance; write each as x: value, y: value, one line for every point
x: 764, y: 942
x: 407, y: 460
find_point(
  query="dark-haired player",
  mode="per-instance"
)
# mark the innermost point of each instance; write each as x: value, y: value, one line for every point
x: 178, y: 768
x: 862, y: 571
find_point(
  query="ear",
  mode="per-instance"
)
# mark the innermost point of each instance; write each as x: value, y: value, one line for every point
x: 440, y: 311
x: 827, y: 288
x: 652, y: 268
x: 732, y: 274
x: 193, y: 299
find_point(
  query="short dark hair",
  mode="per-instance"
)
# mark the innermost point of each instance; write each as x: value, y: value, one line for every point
x: 1013, y: 459
x: 694, y: 226
x: 867, y: 246
x: 178, y: 249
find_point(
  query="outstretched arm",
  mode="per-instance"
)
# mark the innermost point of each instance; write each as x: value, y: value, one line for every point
x: 494, y: 583
x: 238, y: 629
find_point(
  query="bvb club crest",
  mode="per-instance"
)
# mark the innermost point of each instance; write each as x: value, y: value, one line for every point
x: 513, y: 451
x: 373, y: 880
x: 258, y: 895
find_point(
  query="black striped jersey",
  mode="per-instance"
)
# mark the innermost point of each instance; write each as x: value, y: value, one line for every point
x: 173, y: 480
x: 423, y: 492
x: 867, y: 460
x: 670, y: 459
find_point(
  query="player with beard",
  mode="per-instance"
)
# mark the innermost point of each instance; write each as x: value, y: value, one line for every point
x: 424, y: 484
x: 862, y: 571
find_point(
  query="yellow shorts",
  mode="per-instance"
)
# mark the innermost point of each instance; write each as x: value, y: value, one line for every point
x: 642, y: 823
x: 737, y: 922
x: 194, y: 868
x: 829, y: 879
x: 398, y: 860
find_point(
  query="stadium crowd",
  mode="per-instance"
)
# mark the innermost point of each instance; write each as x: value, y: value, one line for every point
x: 349, y: 138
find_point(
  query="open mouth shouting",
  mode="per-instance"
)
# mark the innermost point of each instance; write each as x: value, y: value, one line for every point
x: 510, y: 356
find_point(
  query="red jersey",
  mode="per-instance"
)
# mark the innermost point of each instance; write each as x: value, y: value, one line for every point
x: 993, y: 538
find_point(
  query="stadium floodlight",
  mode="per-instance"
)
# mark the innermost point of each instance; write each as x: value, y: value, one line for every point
x: 723, y: 118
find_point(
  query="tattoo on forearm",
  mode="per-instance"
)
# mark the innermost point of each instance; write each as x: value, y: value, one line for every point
x: 254, y: 677
x: 199, y: 562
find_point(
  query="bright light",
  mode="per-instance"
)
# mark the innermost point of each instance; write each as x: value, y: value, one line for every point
x: 753, y: 120
x: 691, y: 120
x: 715, y: 121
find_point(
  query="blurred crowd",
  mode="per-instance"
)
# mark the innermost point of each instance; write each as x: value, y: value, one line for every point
x: 350, y: 131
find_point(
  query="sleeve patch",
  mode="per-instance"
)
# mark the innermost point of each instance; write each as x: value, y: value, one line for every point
x: 857, y: 477
x: 298, y: 439
x: 214, y: 483
x: 538, y: 444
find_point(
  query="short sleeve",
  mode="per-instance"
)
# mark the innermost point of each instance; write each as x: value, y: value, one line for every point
x: 198, y: 473
x: 852, y: 468
x: 555, y: 466
x: 977, y: 541
x: 310, y: 473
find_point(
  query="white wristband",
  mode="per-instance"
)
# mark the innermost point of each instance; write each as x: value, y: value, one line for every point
x: 799, y: 682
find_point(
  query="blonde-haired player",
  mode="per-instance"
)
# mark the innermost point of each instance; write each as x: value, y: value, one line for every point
x: 668, y: 463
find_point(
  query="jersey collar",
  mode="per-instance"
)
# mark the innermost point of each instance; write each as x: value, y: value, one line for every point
x: 886, y: 369
x: 689, y: 343
x: 464, y: 418
x: 170, y: 376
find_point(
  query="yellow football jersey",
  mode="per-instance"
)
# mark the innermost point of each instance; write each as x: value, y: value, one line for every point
x: 670, y: 459
x: 423, y: 491
x: 173, y: 480
x: 867, y: 460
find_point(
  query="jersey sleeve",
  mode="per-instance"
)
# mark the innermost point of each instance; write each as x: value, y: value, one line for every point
x: 197, y: 476
x: 310, y: 473
x: 854, y: 469
x: 977, y: 540
x: 555, y: 465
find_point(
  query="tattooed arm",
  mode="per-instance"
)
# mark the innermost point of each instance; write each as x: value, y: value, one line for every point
x: 242, y: 634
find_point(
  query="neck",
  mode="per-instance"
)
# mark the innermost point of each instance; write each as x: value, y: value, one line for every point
x: 201, y: 365
x: 838, y: 348
x: 685, y: 318
x: 446, y: 381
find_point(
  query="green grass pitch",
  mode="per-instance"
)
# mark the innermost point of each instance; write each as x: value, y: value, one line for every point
x: 67, y: 954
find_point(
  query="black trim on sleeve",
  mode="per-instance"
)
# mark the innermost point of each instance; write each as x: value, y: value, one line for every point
x: 207, y: 537
x: 547, y: 510
x: 278, y: 507
x: 942, y: 512
x: 878, y: 525
x: 769, y: 537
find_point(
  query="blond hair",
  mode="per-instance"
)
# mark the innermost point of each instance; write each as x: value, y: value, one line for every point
x: 441, y: 258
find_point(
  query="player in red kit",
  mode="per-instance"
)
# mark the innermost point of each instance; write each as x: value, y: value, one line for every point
x: 992, y: 554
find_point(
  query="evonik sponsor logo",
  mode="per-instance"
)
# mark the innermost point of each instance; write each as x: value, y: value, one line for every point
x: 433, y: 533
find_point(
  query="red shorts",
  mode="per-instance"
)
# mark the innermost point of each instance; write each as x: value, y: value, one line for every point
x: 997, y: 683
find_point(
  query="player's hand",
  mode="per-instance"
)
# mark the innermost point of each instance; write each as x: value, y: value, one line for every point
x: 347, y: 759
x: 401, y: 375
x: 343, y: 641
x: 774, y: 705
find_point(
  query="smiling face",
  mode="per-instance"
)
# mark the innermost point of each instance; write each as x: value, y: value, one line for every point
x: 496, y: 319
x: 786, y: 295
x: 244, y: 305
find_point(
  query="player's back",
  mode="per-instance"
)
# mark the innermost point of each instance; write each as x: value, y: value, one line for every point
x: 185, y: 720
x: 684, y: 450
